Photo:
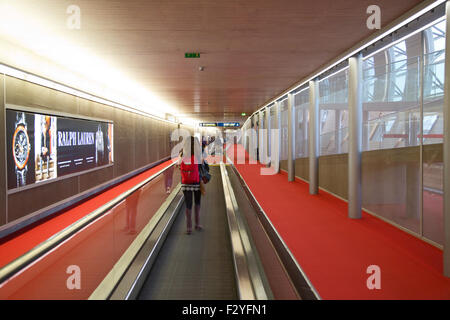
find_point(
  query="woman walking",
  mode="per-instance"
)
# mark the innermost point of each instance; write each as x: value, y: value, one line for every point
x: 191, y: 157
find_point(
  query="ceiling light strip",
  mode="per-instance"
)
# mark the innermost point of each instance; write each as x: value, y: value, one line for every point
x: 333, y: 74
x: 405, y: 37
x: 23, y: 75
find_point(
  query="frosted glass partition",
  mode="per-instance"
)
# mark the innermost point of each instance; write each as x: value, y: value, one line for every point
x: 433, y: 191
x: 270, y: 127
x: 433, y: 133
x: 274, y: 122
x: 403, y: 131
x: 433, y: 97
x: 261, y: 126
x: 265, y: 141
x: 397, y: 108
x: 391, y: 129
x: 391, y: 106
x: 333, y: 113
x: 301, y: 121
x: 284, y: 129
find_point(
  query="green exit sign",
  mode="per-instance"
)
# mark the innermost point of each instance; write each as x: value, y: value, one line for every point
x: 192, y: 55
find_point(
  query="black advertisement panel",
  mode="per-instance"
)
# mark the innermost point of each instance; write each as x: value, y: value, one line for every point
x: 44, y: 147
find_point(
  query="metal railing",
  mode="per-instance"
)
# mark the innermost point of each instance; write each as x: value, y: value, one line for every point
x: 248, y: 278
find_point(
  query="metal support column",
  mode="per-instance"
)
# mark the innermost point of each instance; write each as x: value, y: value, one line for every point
x: 291, y: 139
x: 447, y: 147
x: 251, y: 138
x: 355, y: 137
x: 314, y: 137
x: 305, y: 135
x: 267, y: 137
x: 255, y: 139
x: 261, y: 150
x: 276, y: 141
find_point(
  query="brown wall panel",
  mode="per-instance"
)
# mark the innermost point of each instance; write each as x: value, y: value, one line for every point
x: 95, y: 110
x: 433, y: 152
x: 31, y: 200
x: 2, y: 156
x: 161, y: 136
x: 166, y: 138
x: 433, y: 197
x: 302, y: 168
x: 283, y: 165
x: 333, y: 174
x: 168, y: 131
x: 147, y: 146
x: 150, y: 132
x: 156, y: 135
x: 391, y: 185
x: 123, y: 142
x: 385, y: 173
x: 95, y: 178
x: 138, y: 141
x: 433, y: 159
x: 26, y: 94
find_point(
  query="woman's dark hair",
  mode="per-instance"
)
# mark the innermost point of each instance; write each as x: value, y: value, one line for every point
x: 192, y: 144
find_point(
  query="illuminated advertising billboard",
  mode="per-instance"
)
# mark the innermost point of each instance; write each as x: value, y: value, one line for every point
x: 44, y: 147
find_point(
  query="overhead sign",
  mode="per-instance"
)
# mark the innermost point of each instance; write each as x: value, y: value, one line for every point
x: 208, y: 124
x: 43, y: 147
x: 192, y: 55
x: 228, y: 124
x: 220, y: 124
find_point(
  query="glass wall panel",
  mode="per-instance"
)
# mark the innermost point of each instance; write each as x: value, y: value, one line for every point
x: 391, y: 106
x: 433, y: 192
x: 270, y: 127
x: 333, y: 106
x: 433, y: 132
x: 274, y: 122
x: 261, y: 138
x: 391, y: 133
x: 301, y: 114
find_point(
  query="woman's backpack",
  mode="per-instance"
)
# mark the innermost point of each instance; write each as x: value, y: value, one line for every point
x: 189, y: 172
x: 204, y: 172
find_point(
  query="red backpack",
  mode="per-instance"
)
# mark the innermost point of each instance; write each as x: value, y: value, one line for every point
x: 189, y: 172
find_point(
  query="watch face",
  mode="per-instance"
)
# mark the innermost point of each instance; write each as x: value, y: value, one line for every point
x: 21, y: 147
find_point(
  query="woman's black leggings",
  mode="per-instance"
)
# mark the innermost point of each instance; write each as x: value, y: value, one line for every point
x: 188, y: 198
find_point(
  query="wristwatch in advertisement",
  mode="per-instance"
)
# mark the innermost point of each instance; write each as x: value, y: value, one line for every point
x: 21, y: 148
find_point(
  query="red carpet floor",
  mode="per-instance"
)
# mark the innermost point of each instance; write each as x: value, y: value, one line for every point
x: 335, y: 251
x: 15, y: 247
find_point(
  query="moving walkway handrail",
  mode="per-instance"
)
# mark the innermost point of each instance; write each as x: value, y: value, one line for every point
x: 299, y: 270
x: 24, y: 260
x: 248, y: 278
x: 107, y: 288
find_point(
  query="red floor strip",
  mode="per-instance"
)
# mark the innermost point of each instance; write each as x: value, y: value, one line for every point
x: 24, y: 242
x: 335, y: 251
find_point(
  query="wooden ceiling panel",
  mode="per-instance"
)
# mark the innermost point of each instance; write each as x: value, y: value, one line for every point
x: 251, y: 50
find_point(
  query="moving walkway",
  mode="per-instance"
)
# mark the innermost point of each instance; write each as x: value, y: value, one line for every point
x: 238, y: 255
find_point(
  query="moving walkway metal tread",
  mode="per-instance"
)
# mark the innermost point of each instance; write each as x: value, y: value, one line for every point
x: 197, y: 266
